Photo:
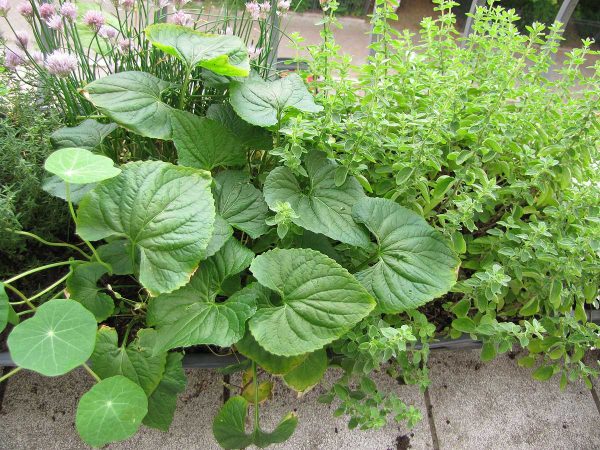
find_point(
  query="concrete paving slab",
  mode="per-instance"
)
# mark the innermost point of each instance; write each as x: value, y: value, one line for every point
x: 497, y: 405
x: 319, y: 430
x: 38, y: 413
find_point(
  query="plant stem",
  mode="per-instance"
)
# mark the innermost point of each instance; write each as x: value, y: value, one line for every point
x: 255, y: 382
x: 184, y: 88
x: 91, y: 372
x: 35, y: 270
x: 10, y: 374
x: 51, y: 244
x: 52, y: 286
x: 21, y: 295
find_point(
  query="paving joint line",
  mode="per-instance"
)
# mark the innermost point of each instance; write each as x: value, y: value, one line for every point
x: 431, y: 420
x: 596, y: 398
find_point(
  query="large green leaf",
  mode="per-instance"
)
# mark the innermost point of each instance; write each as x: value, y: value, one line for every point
x: 321, y: 206
x: 320, y: 301
x: 4, y: 308
x: 89, y: 134
x: 110, y: 411
x: 80, y: 166
x: 59, y: 337
x: 165, y: 211
x: 250, y: 136
x: 133, y: 100
x: 222, y: 54
x: 82, y: 285
x: 240, y: 203
x: 56, y: 187
x: 163, y: 401
x: 308, y: 373
x: 264, y: 103
x: 192, y: 316
x: 277, y: 365
x: 221, y: 234
x: 414, y: 263
x: 135, y: 361
x: 204, y: 143
x: 230, y: 423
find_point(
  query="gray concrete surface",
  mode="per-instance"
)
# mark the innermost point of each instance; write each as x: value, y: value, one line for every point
x: 497, y: 405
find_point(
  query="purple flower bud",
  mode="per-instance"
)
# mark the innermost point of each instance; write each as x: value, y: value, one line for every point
x: 128, y: 4
x: 55, y: 22
x: 253, y: 8
x: 94, y: 19
x: 181, y: 18
x: 69, y: 10
x: 25, y: 9
x: 12, y: 59
x: 38, y: 57
x: 4, y: 8
x: 61, y: 64
x: 108, y: 32
x: 47, y: 10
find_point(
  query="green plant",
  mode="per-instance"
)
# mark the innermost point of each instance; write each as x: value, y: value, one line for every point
x: 497, y: 148
x: 176, y: 256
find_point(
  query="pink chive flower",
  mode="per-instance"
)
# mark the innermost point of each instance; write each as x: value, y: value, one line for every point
x: 125, y: 45
x: 55, y: 22
x: 283, y: 6
x: 181, y: 18
x: 12, y: 59
x: 265, y: 8
x: 47, y: 10
x: 61, y: 64
x: 163, y: 3
x: 128, y: 4
x: 25, y: 9
x: 253, y: 8
x: 94, y: 19
x: 22, y: 39
x: 254, y: 52
x: 108, y: 32
x: 38, y: 57
x: 4, y: 8
x: 69, y: 10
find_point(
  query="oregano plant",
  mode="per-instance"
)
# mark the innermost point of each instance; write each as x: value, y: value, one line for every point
x: 227, y: 249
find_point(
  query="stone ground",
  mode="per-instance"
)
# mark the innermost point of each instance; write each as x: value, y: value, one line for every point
x: 472, y: 405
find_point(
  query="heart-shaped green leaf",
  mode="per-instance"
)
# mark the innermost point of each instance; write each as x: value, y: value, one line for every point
x: 82, y: 285
x: 89, y: 134
x: 136, y: 361
x: 165, y: 211
x: 59, y: 337
x: 277, y: 365
x: 320, y: 301
x: 222, y: 54
x: 56, y: 187
x: 414, y: 262
x: 80, y: 166
x: 4, y: 308
x: 110, y: 411
x: 264, y: 103
x: 240, y: 203
x: 250, y: 136
x: 133, y: 100
x: 204, y: 143
x: 163, y: 401
x: 321, y: 206
x: 191, y: 315
x: 230, y: 421
x: 308, y: 373
x: 118, y: 255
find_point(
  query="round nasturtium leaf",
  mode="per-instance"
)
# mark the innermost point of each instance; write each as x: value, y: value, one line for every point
x: 59, y: 337
x: 111, y: 411
x: 80, y: 166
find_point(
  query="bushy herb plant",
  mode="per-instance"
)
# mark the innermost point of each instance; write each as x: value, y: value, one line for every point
x: 227, y: 249
x: 496, y: 146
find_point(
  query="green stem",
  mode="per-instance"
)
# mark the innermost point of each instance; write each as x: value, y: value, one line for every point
x: 10, y: 374
x: 37, y: 269
x: 184, y: 88
x: 21, y: 295
x: 22, y: 313
x: 50, y: 244
x: 51, y: 287
x: 255, y: 382
x: 91, y: 372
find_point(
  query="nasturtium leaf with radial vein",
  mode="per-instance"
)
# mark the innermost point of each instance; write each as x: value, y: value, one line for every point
x: 204, y: 143
x: 320, y: 301
x: 321, y: 206
x: 192, y: 316
x: 166, y: 212
x: 240, y: 203
x: 414, y: 263
x: 135, y: 361
x: 263, y: 103
x: 80, y: 166
x: 163, y: 401
x: 133, y: 100
x: 222, y: 54
x: 59, y: 337
x: 89, y: 134
x: 82, y: 286
x: 230, y: 423
x: 112, y: 410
